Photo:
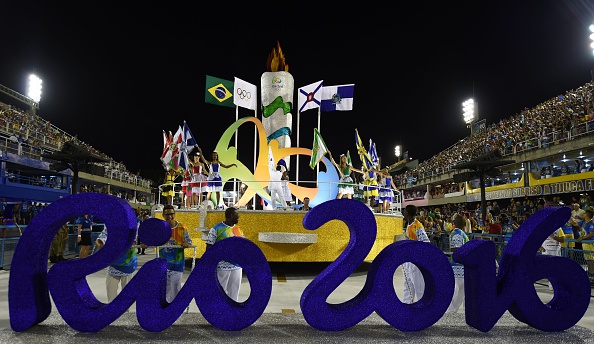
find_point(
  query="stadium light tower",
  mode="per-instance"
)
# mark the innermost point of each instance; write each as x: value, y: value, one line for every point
x: 592, y: 46
x: 592, y: 38
x: 34, y: 91
x: 397, y: 152
x: 469, y: 114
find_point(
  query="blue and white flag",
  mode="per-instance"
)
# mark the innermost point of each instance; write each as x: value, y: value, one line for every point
x: 189, y: 138
x: 187, y: 144
x: 245, y: 94
x: 310, y: 96
x: 373, y: 154
x: 337, y: 98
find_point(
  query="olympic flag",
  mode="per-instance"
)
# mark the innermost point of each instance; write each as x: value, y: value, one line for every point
x: 245, y: 94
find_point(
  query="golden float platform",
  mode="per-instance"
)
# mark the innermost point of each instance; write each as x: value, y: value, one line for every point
x: 281, y: 236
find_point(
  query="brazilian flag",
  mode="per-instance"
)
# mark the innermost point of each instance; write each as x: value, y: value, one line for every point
x: 219, y: 91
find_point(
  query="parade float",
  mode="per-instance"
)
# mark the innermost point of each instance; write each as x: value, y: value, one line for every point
x: 278, y: 233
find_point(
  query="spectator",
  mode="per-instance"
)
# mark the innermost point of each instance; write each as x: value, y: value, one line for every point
x: 2, y: 207
x: 85, y: 228
x: 495, y: 210
x: 577, y: 166
x: 564, y: 169
x: 552, y: 246
x: 58, y: 246
x: 305, y: 206
x: 142, y: 247
x: 24, y: 209
x: 588, y: 234
x: 492, y: 226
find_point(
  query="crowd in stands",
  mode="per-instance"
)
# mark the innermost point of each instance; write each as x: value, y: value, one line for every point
x: 40, y: 136
x: 558, y: 119
x: 125, y: 194
x: 439, y: 191
x: 509, y: 211
x: 33, y: 128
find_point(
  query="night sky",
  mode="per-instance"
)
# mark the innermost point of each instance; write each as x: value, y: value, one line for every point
x: 117, y: 76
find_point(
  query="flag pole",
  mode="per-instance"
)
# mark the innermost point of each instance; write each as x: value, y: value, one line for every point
x: 255, y: 144
x: 298, y: 121
x: 235, y: 198
x: 319, y: 117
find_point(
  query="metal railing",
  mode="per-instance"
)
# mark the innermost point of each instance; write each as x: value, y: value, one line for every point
x: 536, y: 142
x: 234, y: 186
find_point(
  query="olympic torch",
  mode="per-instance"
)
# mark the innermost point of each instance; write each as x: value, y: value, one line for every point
x: 277, y: 99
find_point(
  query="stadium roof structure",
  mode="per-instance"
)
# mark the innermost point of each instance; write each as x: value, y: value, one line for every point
x: 73, y: 156
x: 482, y: 166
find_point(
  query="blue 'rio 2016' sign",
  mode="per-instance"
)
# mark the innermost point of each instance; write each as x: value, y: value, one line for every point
x: 487, y: 294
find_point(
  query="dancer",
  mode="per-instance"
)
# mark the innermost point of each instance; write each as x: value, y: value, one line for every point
x: 345, y: 184
x: 285, y: 185
x: 215, y: 182
x: 186, y: 191
x: 169, y: 185
x: 370, y: 187
x: 198, y: 182
x: 386, y: 190
x: 276, y: 188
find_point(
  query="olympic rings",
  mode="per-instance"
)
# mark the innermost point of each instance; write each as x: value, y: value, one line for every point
x: 243, y: 94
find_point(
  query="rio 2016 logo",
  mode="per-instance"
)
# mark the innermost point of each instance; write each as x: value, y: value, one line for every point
x: 488, y: 295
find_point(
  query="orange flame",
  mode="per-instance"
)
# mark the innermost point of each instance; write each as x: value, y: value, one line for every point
x: 276, y: 60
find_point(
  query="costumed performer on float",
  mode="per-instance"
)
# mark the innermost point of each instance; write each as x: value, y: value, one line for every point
x: 215, y: 181
x: 346, y: 183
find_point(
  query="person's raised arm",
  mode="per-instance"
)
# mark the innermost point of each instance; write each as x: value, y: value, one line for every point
x: 202, y: 156
x: 356, y: 169
x: 332, y: 160
x: 227, y: 166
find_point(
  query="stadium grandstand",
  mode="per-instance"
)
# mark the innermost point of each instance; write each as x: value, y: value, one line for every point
x: 547, y: 151
x: 28, y: 172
